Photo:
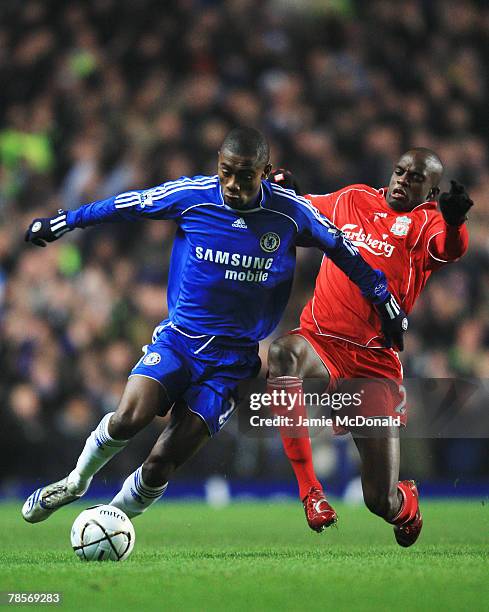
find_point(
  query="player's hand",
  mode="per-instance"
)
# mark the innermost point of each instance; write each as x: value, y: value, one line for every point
x: 455, y: 204
x: 285, y: 179
x: 394, y: 322
x: 47, y: 229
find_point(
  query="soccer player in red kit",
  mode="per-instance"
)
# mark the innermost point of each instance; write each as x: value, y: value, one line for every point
x: 401, y: 231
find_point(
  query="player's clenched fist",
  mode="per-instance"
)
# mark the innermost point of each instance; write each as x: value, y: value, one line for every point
x: 47, y: 229
x: 455, y: 204
x: 285, y: 179
x: 394, y: 323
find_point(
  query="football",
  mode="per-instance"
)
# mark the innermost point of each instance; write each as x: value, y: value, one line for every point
x: 102, y: 533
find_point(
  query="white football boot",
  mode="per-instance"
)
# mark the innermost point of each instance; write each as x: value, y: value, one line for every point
x: 44, y: 501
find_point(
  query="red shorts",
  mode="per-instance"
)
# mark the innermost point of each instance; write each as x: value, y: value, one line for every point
x: 382, y: 395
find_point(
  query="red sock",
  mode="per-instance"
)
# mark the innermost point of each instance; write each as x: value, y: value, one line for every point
x: 409, y: 505
x: 295, y: 439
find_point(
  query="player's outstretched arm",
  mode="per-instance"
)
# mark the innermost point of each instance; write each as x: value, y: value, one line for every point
x: 47, y: 229
x: 447, y: 239
x: 166, y: 201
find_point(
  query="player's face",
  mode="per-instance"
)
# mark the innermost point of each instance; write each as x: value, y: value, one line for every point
x: 240, y: 179
x: 411, y: 184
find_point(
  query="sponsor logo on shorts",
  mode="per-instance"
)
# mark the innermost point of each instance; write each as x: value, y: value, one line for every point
x: 152, y: 359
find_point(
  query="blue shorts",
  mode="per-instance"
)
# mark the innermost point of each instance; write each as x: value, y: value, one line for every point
x: 203, y: 371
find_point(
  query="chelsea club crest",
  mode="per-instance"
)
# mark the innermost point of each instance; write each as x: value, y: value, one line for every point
x: 270, y: 242
x: 401, y: 226
x: 152, y: 359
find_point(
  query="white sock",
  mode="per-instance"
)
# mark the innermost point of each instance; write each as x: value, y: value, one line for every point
x: 135, y: 496
x: 99, y: 449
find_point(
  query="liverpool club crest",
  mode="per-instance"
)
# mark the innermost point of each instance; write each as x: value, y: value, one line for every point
x: 401, y: 226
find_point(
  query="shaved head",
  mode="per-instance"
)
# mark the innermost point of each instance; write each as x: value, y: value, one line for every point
x: 415, y: 179
x: 432, y: 161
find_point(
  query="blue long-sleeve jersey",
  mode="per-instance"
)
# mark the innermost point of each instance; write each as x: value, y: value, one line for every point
x: 231, y: 271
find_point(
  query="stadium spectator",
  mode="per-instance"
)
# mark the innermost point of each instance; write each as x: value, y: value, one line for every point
x: 97, y: 96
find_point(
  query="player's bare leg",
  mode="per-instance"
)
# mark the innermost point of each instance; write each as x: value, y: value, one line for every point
x: 292, y: 355
x: 183, y: 436
x: 380, y: 471
x: 384, y: 495
x: 143, y: 398
x: 291, y: 359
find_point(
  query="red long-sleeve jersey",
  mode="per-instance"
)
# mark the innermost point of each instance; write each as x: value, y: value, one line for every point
x: 407, y: 246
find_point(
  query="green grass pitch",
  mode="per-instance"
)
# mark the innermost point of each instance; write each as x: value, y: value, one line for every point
x: 258, y: 556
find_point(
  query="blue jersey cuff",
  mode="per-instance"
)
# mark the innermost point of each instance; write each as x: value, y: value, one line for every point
x: 380, y: 292
x: 71, y: 219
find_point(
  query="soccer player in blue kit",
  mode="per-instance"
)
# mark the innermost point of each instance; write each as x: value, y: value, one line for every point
x: 230, y: 278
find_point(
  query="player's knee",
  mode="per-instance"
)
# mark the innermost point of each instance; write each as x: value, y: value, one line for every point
x: 139, y: 405
x: 283, y: 358
x: 129, y: 418
x: 125, y: 425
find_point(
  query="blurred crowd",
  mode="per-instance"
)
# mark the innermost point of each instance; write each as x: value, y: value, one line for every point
x: 99, y: 96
